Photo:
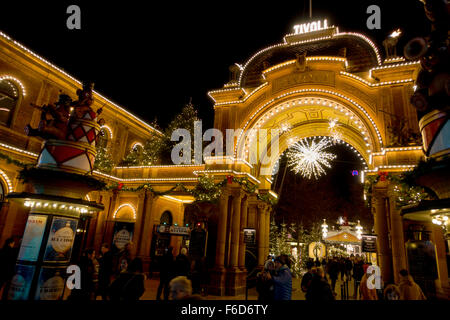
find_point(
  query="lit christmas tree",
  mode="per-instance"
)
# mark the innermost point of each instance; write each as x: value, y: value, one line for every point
x: 103, y: 160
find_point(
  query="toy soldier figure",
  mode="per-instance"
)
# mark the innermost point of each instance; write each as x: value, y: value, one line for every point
x: 54, y: 120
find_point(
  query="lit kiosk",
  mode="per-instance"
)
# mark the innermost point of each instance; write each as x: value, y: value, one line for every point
x: 57, y: 186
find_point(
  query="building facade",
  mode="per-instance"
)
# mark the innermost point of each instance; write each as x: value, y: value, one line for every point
x: 302, y: 82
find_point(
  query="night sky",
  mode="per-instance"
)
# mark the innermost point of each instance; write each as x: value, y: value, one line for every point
x: 151, y: 57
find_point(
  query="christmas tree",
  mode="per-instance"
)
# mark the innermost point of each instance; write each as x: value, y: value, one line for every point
x: 103, y: 160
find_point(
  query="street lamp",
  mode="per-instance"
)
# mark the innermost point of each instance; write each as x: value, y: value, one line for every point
x: 358, y: 230
x: 324, y: 229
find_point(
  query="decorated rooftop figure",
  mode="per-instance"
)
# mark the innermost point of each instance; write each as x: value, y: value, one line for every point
x: 54, y: 120
x: 71, y: 130
x: 431, y: 96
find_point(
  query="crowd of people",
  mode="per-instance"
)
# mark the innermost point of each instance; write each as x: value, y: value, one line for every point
x: 318, y: 283
x: 118, y: 276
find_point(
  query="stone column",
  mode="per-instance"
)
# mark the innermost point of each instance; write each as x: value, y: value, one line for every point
x: 397, y: 238
x: 244, y: 213
x: 261, y: 234
x: 101, y: 223
x: 381, y: 229
x: 235, y: 230
x: 139, y: 223
x: 442, y: 284
x: 218, y: 280
x: 147, y: 227
x: 267, y: 231
x: 222, y: 230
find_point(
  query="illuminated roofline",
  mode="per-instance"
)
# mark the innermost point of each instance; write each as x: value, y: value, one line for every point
x: 7, y: 180
x: 307, y: 91
x: 54, y: 67
x: 286, y: 44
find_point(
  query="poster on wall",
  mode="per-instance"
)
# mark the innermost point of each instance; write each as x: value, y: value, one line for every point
x: 32, y: 238
x: 123, y: 234
x: 60, y: 240
x: 21, y: 282
x: 50, y: 284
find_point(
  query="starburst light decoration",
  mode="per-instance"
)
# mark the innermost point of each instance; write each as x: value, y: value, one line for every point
x: 309, y: 158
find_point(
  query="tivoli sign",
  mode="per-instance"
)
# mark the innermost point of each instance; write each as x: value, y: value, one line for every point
x: 310, y: 26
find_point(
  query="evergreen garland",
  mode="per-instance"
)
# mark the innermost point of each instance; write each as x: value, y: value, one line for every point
x: 10, y: 160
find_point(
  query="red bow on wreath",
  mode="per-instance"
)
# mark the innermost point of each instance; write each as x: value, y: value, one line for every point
x: 229, y: 179
x: 119, y: 186
x: 383, y: 175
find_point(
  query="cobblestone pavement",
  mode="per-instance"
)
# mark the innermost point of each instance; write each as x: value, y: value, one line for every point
x: 151, y: 286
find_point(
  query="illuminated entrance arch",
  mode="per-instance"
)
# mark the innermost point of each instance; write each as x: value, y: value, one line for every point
x: 307, y: 113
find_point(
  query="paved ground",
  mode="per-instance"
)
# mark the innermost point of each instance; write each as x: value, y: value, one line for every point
x: 151, y: 286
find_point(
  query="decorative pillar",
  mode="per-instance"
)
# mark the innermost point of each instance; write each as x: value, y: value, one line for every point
x: 235, y: 231
x: 222, y: 230
x: 217, y: 281
x: 244, y: 214
x: 382, y: 232
x: 146, y: 227
x: 101, y: 223
x: 397, y: 238
x: 139, y: 223
x: 261, y: 234
x: 267, y: 231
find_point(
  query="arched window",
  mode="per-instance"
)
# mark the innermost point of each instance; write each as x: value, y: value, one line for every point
x: 166, y: 218
x: 137, y: 147
x: 9, y: 96
x: 103, y: 138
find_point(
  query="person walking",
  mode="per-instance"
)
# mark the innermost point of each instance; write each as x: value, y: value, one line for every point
x: 319, y: 289
x: 307, y: 277
x: 165, y: 274
x: 333, y: 271
x: 129, y: 286
x: 88, y: 272
x: 8, y: 256
x: 409, y: 290
x: 282, y: 280
x: 264, y: 285
x: 358, y: 272
x: 182, y: 264
x: 105, y: 272
x: 365, y: 292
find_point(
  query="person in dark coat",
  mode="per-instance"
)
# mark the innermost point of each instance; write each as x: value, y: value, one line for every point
x: 264, y: 285
x: 333, y: 272
x: 165, y: 274
x: 358, y: 272
x: 129, y: 286
x: 8, y: 256
x: 307, y: 277
x: 87, y: 269
x: 282, y: 280
x: 182, y: 264
x: 105, y: 271
x: 319, y: 289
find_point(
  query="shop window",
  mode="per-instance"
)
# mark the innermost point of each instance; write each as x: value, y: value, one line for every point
x: 9, y: 96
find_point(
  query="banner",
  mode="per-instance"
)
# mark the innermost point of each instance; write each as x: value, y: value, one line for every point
x: 51, y: 284
x: 368, y: 243
x: 174, y: 230
x: 249, y: 236
x: 21, y: 282
x: 123, y: 234
x: 32, y: 238
x: 60, y: 240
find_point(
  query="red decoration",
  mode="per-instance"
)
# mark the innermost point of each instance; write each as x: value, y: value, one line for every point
x: 120, y: 186
x: 383, y: 175
x: 229, y: 179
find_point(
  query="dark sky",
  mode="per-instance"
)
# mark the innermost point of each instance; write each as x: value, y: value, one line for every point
x: 151, y: 56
